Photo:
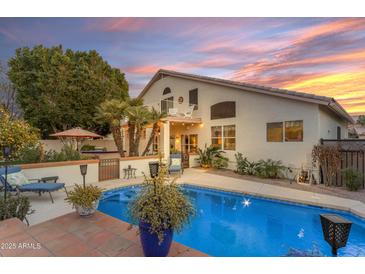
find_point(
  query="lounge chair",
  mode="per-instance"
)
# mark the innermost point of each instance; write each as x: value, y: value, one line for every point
x: 173, y: 111
x: 25, y: 185
x: 189, y: 112
x: 176, y: 163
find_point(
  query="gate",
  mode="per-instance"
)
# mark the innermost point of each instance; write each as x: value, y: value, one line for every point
x: 352, y: 156
x: 109, y: 169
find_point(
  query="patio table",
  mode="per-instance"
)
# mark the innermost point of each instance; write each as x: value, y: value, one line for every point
x: 129, y: 173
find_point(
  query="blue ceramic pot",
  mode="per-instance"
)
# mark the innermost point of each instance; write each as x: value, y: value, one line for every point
x: 151, y: 247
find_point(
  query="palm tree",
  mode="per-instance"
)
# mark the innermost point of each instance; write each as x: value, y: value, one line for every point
x: 112, y: 112
x: 138, y: 117
x: 155, y: 118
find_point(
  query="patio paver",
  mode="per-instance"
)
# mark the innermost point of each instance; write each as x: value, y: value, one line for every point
x: 71, y: 235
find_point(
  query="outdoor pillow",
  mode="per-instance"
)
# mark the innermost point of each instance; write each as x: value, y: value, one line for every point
x: 175, y: 162
x: 17, y: 179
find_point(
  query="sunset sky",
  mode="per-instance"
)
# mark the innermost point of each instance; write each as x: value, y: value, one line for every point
x: 324, y: 56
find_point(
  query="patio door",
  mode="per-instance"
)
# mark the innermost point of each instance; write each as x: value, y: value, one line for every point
x: 188, y: 145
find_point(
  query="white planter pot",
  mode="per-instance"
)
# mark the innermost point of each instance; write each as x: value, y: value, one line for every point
x: 86, y: 211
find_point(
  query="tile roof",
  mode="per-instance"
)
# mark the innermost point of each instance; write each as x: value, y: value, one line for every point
x: 330, y: 102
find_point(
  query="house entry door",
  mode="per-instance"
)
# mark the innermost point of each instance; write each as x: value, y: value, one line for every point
x: 185, y: 150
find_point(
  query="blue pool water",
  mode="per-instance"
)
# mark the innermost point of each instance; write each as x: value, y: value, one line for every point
x: 226, y: 226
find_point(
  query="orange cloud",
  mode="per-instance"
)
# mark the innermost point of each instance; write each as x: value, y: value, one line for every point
x: 346, y: 87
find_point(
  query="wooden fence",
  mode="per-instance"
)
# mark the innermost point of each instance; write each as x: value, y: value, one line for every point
x: 109, y: 169
x: 352, y: 156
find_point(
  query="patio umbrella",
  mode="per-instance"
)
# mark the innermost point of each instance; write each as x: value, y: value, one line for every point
x: 77, y: 134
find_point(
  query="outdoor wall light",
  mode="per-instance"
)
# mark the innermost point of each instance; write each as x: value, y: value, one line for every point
x: 336, y: 231
x: 83, y: 170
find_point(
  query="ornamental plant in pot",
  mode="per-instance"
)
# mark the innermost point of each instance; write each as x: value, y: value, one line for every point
x: 85, y: 199
x: 160, y: 208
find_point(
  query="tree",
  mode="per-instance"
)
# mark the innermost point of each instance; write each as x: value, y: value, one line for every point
x: 112, y: 112
x: 361, y: 120
x: 327, y: 157
x: 155, y: 119
x: 16, y: 133
x: 7, y: 93
x: 138, y: 118
x: 59, y: 89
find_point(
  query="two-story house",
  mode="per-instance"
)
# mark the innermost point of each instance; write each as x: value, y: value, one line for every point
x: 260, y: 122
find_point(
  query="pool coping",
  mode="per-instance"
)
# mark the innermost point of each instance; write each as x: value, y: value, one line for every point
x: 280, y: 198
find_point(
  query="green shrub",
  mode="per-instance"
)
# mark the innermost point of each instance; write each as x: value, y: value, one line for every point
x: 36, y: 154
x: 220, y: 162
x: 244, y: 166
x: 84, y: 197
x: 207, y: 155
x: 352, y: 178
x: 271, y: 169
x: 162, y: 204
x: 14, y: 206
x: 87, y: 148
x: 31, y: 154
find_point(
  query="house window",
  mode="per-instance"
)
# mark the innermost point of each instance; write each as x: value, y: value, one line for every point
x: 224, y: 137
x: 216, y: 133
x: 193, y: 98
x: 166, y: 91
x: 338, y: 133
x: 166, y: 104
x: 274, y: 132
x: 229, y: 137
x: 294, y: 131
x: 223, y: 110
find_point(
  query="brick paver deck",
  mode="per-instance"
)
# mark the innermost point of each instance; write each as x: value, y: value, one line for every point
x: 71, y: 235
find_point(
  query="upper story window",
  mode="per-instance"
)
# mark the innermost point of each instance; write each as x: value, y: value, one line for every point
x: 223, y: 110
x: 166, y: 104
x: 274, y: 132
x: 193, y: 98
x: 338, y: 133
x: 294, y: 131
x: 167, y: 90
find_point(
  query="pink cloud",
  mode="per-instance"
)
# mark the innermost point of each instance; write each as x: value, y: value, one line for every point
x: 124, y: 24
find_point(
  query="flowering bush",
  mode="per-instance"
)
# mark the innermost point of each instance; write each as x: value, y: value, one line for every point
x: 16, y: 133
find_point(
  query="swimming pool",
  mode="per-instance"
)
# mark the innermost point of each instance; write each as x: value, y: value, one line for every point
x: 233, y: 224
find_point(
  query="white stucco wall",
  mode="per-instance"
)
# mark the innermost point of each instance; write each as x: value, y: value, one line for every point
x: 57, y: 145
x: 68, y: 174
x: 140, y: 164
x: 253, y: 112
x: 328, y: 124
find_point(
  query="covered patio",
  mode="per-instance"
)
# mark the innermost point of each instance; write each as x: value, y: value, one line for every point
x: 181, y: 134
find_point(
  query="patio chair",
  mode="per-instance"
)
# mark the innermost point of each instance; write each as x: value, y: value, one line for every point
x: 189, y: 112
x: 17, y: 182
x: 176, y: 163
x: 173, y: 111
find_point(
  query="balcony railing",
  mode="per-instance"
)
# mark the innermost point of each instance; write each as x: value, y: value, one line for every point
x: 174, y: 108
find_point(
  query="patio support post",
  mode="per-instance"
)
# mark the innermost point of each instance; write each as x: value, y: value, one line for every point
x: 165, y: 140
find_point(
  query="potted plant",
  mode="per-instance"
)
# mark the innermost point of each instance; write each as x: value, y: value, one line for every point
x: 160, y: 208
x: 85, y: 199
x: 208, y: 155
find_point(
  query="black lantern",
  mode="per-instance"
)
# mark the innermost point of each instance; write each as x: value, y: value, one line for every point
x: 83, y: 169
x: 6, y: 155
x: 154, y: 167
x: 336, y: 230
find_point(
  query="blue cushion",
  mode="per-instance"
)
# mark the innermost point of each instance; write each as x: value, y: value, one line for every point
x: 42, y: 187
x: 11, y: 169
